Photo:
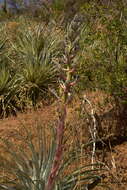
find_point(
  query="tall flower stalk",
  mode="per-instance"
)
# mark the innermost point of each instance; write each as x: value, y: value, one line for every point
x: 62, y: 110
x: 59, y: 149
x: 66, y: 82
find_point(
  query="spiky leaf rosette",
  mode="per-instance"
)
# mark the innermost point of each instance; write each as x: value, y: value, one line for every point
x: 37, y: 49
x: 30, y: 163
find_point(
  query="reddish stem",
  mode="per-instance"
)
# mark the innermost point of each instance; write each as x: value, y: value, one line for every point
x: 59, y: 149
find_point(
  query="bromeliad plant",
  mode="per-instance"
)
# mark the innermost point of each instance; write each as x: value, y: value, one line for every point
x: 37, y: 167
x: 8, y: 85
x: 36, y: 49
x: 40, y: 166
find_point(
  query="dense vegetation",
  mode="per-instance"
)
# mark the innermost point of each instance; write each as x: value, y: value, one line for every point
x: 25, y: 43
x: 55, y: 51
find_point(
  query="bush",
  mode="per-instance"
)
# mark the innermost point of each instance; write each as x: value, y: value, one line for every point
x: 103, y: 44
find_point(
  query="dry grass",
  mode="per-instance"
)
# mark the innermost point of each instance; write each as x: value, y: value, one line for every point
x: 77, y: 131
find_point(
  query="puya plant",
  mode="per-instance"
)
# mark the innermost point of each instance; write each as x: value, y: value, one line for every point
x: 8, y: 85
x: 36, y: 49
x: 41, y: 166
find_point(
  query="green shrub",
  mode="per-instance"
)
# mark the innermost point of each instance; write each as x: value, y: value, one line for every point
x: 37, y: 50
x: 103, y: 48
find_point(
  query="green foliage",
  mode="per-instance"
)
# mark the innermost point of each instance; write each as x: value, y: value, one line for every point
x: 58, y: 5
x: 36, y: 49
x: 31, y: 167
x: 102, y: 49
x: 103, y: 44
x: 35, y: 80
x: 8, y: 104
x: 7, y: 86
